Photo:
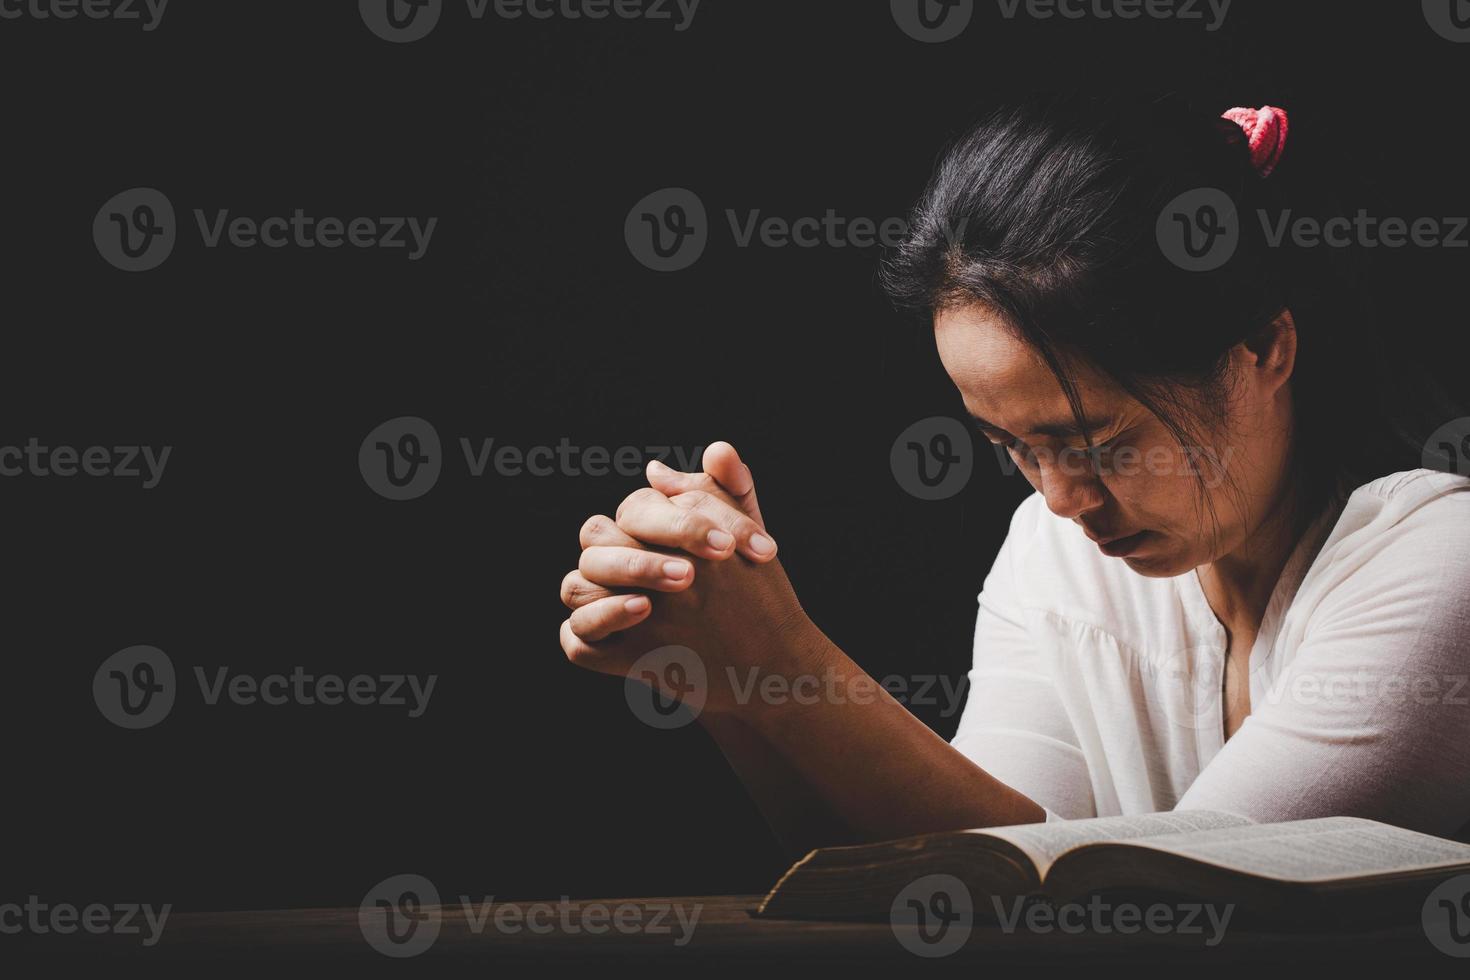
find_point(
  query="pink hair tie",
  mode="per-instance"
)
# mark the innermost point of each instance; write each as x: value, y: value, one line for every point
x: 1265, y: 129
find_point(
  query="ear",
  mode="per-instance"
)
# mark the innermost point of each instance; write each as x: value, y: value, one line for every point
x: 1270, y: 353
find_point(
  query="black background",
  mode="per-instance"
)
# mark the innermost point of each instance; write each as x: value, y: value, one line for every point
x: 528, y: 321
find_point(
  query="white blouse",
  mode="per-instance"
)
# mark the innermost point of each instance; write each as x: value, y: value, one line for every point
x: 1096, y: 691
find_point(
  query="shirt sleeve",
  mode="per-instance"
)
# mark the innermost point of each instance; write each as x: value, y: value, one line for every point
x: 1372, y: 717
x: 1014, y: 725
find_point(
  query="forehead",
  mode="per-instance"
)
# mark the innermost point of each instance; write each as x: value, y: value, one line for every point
x: 1003, y: 379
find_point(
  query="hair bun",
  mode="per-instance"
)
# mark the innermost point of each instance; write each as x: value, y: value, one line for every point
x: 1265, y: 130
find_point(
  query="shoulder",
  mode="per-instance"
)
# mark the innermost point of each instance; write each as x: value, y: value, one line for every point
x: 1400, y: 550
x: 1399, y: 514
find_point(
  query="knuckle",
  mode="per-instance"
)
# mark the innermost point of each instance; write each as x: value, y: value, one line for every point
x: 571, y: 587
x: 689, y: 524
x: 593, y: 529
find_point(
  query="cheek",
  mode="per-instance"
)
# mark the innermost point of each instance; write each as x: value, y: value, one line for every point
x: 1154, y: 485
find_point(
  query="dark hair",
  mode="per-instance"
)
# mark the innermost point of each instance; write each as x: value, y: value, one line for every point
x: 1046, y: 212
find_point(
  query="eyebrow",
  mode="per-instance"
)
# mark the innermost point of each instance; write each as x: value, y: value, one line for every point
x: 1058, y: 429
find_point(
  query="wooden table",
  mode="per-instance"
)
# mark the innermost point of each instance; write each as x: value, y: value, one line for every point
x: 725, y: 938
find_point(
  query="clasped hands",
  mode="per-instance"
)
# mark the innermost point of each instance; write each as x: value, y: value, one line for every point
x: 687, y: 561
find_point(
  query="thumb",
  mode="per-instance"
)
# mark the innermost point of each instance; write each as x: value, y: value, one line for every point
x: 723, y: 471
x: 723, y: 463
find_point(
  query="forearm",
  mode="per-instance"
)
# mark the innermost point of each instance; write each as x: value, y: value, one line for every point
x: 852, y: 764
x: 799, y: 818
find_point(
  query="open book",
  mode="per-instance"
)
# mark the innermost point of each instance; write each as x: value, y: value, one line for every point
x: 1334, y: 871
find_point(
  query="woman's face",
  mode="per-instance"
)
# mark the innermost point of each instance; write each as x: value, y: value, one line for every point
x: 1139, y: 495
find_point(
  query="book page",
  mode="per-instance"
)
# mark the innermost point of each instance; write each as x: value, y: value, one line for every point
x: 1324, y: 849
x: 1043, y: 843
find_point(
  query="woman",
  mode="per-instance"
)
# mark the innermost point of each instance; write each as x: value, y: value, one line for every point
x: 1235, y: 587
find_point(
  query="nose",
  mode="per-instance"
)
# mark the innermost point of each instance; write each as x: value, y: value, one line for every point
x: 1070, y: 492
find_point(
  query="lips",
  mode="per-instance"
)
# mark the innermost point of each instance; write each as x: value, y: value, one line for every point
x: 1118, y: 547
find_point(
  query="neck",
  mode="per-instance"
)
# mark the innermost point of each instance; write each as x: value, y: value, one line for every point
x: 1239, y: 585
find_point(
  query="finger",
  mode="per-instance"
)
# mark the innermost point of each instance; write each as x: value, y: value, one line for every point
x: 598, y: 620
x: 601, y: 529
x: 604, y: 657
x: 685, y: 489
x: 750, y: 539
x: 616, y: 567
x: 576, y: 591
x: 723, y: 469
x: 649, y: 516
x: 722, y: 462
